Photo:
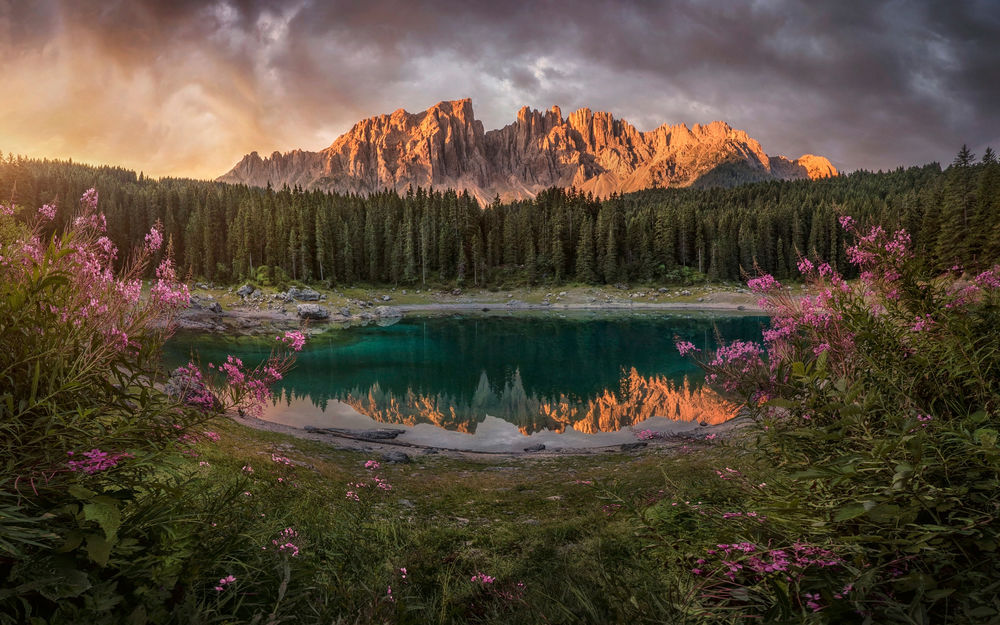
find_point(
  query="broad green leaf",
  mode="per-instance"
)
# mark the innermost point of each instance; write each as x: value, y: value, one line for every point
x: 940, y: 593
x: 851, y: 511
x: 68, y: 583
x: 105, y: 512
x: 98, y: 548
x: 80, y: 492
x: 884, y: 513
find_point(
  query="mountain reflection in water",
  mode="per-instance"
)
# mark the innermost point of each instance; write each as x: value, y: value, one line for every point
x: 637, y: 399
x: 584, y: 375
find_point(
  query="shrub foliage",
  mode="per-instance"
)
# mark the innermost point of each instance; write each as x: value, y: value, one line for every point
x: 876, y: 406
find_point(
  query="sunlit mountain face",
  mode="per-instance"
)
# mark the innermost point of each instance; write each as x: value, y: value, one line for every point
x: 591, y: 374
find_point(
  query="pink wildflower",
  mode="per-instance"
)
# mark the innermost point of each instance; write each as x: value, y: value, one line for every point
x: 989, y: 279
x: 89, y: 199
x: 812, y: 601
x: 294, y: 339
x: 922, y: 323
x: 284, y: 542
x: 764, y: 284
x: 154, y: 240
x: 224, y: 582
x: 47, y: 211
x: 686, y: 347
x: 95, y: 461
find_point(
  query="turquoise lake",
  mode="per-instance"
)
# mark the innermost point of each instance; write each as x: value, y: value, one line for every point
x: 497, y: 381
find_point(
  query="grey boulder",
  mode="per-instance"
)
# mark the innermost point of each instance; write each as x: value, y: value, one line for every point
x: 304, y: 295
x: 312, y: 311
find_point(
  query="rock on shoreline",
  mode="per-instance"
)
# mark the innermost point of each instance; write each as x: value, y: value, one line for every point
x: 313, y: 312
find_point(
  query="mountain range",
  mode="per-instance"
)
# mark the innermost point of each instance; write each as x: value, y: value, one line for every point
x: 447, y: 147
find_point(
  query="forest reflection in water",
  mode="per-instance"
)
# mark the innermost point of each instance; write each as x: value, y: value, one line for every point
x: 586, y: 373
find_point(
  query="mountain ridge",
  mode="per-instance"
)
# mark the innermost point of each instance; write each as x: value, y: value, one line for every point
x: 447, y: 147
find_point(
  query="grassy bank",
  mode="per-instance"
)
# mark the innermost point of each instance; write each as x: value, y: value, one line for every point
x: 563, y: 539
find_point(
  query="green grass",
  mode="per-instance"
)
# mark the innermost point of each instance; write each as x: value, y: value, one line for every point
x: 564, y: 537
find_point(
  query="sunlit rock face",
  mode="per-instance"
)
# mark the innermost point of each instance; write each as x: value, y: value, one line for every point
x: 637, y: 399
x: 446, y: 147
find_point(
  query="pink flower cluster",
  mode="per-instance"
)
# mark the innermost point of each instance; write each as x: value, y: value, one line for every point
x: 95, y: 461
x: 250, y: 391
x: 89, y: 199
x: 989, y: 279
x: 168, y: 291
x: 224, y: 583
x: 96, y: 222
x: 47, y: 212
x: 764, y: 284
x: 877, y: 248
x: 284, y: 542
x: 376, y: 481
x: 749, y: 558
x: 483, y: 578
x: 294, y: 339
x: 154, y: 240
x: 686, y: 347
x: 728, y: 474
x: 922, y: 323
x: 648, y: 435
x: 737, y: 358
x: 195, y: 392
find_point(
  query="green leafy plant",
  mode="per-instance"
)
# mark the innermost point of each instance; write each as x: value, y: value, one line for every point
x: 876, y: 406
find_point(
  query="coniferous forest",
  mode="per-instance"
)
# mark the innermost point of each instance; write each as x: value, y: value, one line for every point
x: 226, y: 233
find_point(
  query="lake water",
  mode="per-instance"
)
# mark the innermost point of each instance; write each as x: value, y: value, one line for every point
x: 497, y: 381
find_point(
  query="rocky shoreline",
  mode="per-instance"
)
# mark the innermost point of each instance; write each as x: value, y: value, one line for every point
x: 383, y: 441
x: 257, y: 313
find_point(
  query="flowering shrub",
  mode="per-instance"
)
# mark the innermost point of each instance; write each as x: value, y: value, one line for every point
x: 91, y: 472
x: 879, y: 404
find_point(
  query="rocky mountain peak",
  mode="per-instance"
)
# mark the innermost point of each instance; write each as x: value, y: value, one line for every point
x: 447, y: 147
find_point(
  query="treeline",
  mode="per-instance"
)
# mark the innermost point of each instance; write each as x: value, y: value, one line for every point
x: 226, y: 233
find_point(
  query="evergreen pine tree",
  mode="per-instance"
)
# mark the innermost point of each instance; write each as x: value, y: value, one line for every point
x: 585, y: 271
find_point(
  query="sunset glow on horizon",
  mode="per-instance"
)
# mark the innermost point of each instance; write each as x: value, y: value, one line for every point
x: 187, y: 89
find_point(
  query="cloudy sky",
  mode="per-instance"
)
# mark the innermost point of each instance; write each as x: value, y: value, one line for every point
x: 187, y: 87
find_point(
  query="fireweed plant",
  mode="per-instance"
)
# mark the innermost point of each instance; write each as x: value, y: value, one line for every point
x: 100, y: 520
x: 876, y: 406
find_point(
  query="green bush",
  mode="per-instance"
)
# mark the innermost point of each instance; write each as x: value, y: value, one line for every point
x: 101, y: 516
x: 878, y: 410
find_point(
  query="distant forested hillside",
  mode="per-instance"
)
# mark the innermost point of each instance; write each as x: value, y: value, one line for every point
x: 226, y: 233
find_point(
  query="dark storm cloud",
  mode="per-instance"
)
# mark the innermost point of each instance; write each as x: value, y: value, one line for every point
x: 870, y: 85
